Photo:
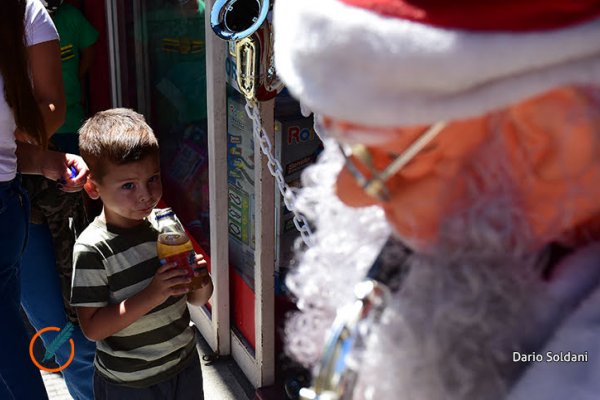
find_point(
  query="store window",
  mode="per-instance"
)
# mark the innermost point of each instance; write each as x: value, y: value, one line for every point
x: 163, y: 75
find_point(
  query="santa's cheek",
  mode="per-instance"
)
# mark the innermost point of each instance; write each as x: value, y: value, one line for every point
x: 415, y: 226
x: 350, y: 192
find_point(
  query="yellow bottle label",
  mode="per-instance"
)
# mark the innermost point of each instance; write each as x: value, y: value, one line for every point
x: 177, y: 248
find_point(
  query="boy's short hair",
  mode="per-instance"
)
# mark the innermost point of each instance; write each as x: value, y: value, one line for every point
x: 118, y: 136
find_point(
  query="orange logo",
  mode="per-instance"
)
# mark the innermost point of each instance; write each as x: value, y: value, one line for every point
x: 39, y: 365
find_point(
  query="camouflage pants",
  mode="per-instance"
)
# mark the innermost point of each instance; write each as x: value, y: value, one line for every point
x: 65, y: 215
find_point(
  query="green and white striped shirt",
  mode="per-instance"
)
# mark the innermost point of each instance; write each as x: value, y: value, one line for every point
x: 110, y: 265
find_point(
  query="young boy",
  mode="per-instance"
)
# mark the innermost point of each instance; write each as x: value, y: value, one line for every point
x: 134, y: 308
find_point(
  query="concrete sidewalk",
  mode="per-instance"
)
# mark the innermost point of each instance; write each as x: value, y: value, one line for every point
x: 223, y: 379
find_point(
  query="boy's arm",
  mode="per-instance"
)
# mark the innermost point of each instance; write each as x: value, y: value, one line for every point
x: 98, y: 323
x: 200, y: 296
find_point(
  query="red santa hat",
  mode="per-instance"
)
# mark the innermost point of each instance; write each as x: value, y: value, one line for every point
x: 404, y: 62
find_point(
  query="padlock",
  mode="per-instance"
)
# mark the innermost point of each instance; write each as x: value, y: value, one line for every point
x: 255, y: 69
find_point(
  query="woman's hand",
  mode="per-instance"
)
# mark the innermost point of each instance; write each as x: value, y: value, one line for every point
x: 22, y: 136
x: 68, y: 170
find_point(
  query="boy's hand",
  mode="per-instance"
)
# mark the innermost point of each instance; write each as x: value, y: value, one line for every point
x: 201, y: 295
x: 168, y: 281
x: 201, y: 270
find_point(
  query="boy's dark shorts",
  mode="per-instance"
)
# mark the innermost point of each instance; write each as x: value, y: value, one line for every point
x: 186, y: 385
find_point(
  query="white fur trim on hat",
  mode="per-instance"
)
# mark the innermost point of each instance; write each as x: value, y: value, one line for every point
x: 356, y: 65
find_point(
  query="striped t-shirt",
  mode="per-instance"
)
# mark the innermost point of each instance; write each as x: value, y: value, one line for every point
x: 110, y: 265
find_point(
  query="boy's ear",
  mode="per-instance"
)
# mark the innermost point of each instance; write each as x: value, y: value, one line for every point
x: 91, y: 188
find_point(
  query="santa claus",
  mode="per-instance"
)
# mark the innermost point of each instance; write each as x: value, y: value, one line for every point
x: 463, y: 138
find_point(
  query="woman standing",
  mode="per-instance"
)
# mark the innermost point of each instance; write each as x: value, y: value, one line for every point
x: 32, y: 105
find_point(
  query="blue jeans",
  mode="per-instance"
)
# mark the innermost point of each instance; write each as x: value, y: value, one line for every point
x: 42, y: 301
x: 19, y: 378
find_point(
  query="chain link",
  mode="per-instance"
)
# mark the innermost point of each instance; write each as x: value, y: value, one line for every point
x: 289, y: 194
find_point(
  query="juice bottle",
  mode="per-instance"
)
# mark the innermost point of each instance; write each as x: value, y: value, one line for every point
x: 174, y: 245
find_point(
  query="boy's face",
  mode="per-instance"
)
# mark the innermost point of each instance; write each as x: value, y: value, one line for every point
x: 129, y: 191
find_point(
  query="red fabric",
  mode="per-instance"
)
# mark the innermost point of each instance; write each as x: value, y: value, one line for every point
x: 487, y: 15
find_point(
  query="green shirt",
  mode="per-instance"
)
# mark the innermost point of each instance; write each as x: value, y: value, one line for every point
x: 177, y: 54
x: 75, y: 33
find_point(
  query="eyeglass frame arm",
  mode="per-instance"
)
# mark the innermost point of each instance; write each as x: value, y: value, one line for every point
x: 375, y: 186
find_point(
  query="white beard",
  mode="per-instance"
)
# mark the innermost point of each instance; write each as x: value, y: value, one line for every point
x: 449, y: 333
x: 325, y: 277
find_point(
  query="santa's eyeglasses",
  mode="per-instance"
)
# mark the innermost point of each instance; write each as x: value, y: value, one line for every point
x: 359, y: 158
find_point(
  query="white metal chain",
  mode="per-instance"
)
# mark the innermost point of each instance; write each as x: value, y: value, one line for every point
x: 288, y: 193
